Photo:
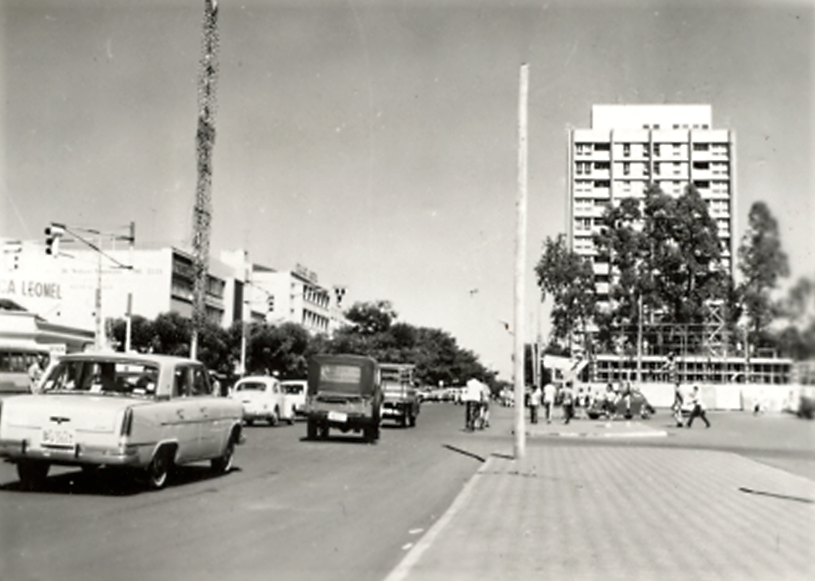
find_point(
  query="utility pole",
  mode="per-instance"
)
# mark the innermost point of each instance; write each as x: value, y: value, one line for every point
x: 520, y: 266
x: 205, y: 140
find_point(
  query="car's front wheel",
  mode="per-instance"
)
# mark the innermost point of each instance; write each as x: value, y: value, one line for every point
x: 32, y: 474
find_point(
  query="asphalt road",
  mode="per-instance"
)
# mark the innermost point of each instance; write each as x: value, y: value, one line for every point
x: 291, y: 509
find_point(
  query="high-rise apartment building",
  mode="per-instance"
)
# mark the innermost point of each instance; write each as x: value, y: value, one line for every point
x: 630, y: 146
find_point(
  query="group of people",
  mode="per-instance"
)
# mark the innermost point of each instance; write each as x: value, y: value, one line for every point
x: 697, y: 407
x: 547, y: 398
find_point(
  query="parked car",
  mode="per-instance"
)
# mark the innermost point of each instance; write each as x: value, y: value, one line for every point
x: 638, y: 406
x: 262, y: 399
x: 145, y: 412
x: 294, y: 396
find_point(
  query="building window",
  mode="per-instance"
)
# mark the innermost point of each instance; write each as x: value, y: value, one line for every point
x: 627, y: 168
x: 601, y: 165
x: 603, y: 146
x: 656, y: 149
x: 701, y: 165
x: 700, y: 147
x: 583, y: 168
x: 582, y: 224
x: 601, y: 183
x: 626, y: 149
x: 583, y: 148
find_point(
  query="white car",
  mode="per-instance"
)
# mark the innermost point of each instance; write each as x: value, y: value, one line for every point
x: 262, y: 399
x: 146, y: 412
x: 294, y: 392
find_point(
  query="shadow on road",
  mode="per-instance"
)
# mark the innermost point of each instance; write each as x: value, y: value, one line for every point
x: 113, y: 482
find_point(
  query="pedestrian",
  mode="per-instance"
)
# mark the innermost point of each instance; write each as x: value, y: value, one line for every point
x: 485, y: 405
x: 567, y: 401
x: 35, y: 371
x: 549, y: 392
x: 534, y: 404
x: 698, y: 410
x: 677, y: 405
x: 626, y: 397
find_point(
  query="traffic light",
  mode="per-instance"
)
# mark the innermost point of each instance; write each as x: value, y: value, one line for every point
x: 52, y: 235
x: 270, y: 303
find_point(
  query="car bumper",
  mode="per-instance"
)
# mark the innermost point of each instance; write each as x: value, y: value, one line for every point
x: 16, y: 450
x: 343, y: 420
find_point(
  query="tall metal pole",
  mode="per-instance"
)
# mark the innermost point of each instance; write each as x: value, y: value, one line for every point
x: 98, y: 343
x: 129, y: 313
x: 520, y: 267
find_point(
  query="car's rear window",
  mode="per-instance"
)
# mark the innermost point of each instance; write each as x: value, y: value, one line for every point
x: 350, y: 374
x: 251, y: 386
x: 103, y: 377
x: 292, y: 389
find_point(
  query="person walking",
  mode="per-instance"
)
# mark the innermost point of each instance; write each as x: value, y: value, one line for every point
x: 549, y: 392
x: 698, y: 410
x: 534, y: 404
x: 677, y: 406
x: 567, y: 402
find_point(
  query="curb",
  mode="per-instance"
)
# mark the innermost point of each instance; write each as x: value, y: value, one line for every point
x: 414, y: 554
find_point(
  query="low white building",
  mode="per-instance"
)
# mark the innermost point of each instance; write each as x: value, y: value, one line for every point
x: 62, y: 288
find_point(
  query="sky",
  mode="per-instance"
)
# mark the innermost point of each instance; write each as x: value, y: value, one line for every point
x: 376, y: 142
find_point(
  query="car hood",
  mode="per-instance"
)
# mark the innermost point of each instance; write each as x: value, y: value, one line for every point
x: 84, y: 412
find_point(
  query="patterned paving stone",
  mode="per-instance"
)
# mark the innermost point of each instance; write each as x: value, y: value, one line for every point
x: 627, y: 513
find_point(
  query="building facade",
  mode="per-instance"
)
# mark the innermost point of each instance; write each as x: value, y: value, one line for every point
x: 62, y: 289
x: 629, y: 147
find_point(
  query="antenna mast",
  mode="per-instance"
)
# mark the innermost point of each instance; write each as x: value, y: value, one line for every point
x: 204, y: 142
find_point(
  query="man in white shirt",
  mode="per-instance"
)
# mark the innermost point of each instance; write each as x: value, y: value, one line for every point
x: 549, y: 392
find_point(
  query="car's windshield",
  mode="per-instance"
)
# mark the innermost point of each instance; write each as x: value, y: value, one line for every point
x: 251, y: 386
x: 103, y: 377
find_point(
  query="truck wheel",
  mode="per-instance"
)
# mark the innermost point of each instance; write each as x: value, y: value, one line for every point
x: 324, y: 431
x: 32, y: 474
x: 371, y: 434
x: 311, y: 429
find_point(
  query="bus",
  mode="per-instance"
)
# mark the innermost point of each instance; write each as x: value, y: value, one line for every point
x: 15, y: 361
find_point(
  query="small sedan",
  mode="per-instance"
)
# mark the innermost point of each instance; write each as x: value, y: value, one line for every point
x: 262, y: 399
x: 294, y: 392
x: 142, y: 412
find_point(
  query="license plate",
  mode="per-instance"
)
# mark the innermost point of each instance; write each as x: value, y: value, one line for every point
x: 337, y: 417
x: 58, y: 438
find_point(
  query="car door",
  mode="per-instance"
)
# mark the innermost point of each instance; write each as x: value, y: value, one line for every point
x: 209, y: 405
x: 188, y: 414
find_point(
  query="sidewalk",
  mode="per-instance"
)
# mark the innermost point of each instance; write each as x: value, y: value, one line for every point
x: 625, y: 512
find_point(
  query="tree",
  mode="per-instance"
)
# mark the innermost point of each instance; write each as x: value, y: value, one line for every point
x: 761, y: 262
x: 370, y: 318
x: 281, y: 350
x: 569, y: 278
